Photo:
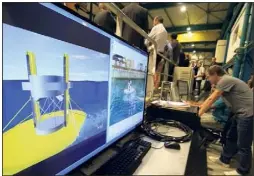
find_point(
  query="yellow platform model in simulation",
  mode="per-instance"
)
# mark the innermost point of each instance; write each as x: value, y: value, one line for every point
x: 22, y: 147
x: 47, y: 133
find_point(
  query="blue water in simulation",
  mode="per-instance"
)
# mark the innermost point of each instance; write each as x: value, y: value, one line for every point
x: 90, y: 97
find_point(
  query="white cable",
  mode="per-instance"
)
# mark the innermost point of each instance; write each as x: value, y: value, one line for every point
x: 76, y: 104
x: 17, y: 113
x: 26, y: 118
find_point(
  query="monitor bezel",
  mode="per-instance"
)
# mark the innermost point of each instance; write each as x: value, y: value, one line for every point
x: 105, y: 146
x: 113, y: 141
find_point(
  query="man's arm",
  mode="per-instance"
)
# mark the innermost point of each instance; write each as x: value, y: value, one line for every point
x: 209, y: 101
x: 151, y: 35
x: 250, y: 81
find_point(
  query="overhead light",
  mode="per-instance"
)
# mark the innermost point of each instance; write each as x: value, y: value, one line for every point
x: 188, y: 28
x: 183, y: 9
x: 190, y: 34
x: 192, y: 45
x: 194, y: 51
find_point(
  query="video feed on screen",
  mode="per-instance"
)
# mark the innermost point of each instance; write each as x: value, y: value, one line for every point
x: 128, y: 82
x: 69, y: 89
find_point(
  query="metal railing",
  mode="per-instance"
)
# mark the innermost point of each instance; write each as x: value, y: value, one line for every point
x: 121, y: 17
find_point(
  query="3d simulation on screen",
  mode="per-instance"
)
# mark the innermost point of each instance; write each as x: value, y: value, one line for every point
x: 51, y: 91
x: 69, y: 89
x: 46, y: 88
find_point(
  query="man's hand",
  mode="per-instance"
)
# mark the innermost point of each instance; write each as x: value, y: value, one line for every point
x: 192, y: 103
x: 212, y: 107
x: 250, y: 82
x: 200, y: 113
x: 209, y: 102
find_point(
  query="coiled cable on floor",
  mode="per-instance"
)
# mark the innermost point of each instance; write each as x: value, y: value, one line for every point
x: 150, y: 129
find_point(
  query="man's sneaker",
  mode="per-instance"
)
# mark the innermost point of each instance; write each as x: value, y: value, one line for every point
x: 217, y: 160
x: 234, y: 172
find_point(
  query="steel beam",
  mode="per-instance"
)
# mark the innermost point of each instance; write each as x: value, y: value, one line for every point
x: 207, y: 14
x: 199, y: 43
x: 210, y: 13
x: 119, y: 4
x: 198, y: 49
x: 219, y: 10
x: 169, y: 17
x: 216, y: 5
x: 198, y: 27
x: 245, y: 70
x: 200, y: 7
x: 91, y: 15
x: 162, y: 5
x: 188, y: 18
x: 150, y: 16
x: 233, y: 11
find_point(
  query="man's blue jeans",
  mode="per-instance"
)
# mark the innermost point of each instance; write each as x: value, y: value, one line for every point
x: 239, y: 140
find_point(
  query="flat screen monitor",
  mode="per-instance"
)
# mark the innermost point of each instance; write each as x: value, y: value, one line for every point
x: 70, y: 89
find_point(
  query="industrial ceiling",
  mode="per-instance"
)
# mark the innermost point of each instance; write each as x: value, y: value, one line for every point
x: 199, y: 24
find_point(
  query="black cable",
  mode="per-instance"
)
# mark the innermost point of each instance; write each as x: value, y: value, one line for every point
x: 149, y: 125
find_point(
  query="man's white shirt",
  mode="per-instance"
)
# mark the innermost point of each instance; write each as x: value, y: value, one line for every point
x: 159, y: 35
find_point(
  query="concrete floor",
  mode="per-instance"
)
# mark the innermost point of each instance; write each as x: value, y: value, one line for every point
x: 216, y: 169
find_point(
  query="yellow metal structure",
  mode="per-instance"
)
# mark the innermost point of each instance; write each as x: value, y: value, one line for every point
x: 66, y: 92
x: 32, y: 70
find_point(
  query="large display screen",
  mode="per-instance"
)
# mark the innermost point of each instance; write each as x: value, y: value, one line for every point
x: 69, y: 89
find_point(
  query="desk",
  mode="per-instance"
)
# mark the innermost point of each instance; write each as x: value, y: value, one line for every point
x: 187, y: 116
x: 195, y: 157
x: 160, y: 161
x: 164, y: 161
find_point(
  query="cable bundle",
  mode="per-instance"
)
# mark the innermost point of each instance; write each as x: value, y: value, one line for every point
x: 148, y: 127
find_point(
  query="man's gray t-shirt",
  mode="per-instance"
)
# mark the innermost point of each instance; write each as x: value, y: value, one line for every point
x: 236, y: 95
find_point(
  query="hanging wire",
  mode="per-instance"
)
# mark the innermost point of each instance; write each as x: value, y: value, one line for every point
x: 54, y: 104
x: 76, y: 104
x: 26, y: 118
x: 48, y: 107
x: 17, y: 113
x: 42, y: 110
x: 44, y: 104
x: 61, y: 105
x: 72, y: 118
